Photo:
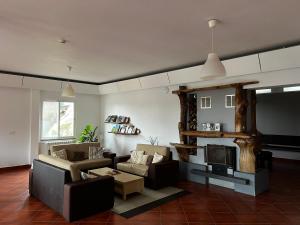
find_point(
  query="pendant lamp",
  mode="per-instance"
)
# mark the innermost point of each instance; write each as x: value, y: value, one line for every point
x: 213, y: 67
x: 68, y: 90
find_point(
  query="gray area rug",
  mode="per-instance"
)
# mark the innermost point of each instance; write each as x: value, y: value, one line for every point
x: 149, y: 199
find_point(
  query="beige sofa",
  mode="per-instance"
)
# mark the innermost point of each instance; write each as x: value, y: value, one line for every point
x: 76, y: 166
x: 156, y: 175
x: 142, y: 170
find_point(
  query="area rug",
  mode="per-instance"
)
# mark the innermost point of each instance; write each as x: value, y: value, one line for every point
x: 149, y: 199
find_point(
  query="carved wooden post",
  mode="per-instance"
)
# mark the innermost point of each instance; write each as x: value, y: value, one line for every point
x: 241, y: 104
x: 183, y: 154
x: 247, y: 145
x: 253, y: 112
x: 183, y: 115
x: 247, y: 156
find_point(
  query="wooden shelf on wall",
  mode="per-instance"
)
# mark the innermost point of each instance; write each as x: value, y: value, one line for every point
x: 178, y: 145
x: 215, y: 134
x: 122, y: 133
x: 117, y: 123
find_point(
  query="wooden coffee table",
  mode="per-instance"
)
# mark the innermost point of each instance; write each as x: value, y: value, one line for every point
x: 125, y: 183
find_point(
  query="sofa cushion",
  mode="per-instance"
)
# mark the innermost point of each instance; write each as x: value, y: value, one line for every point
x: 144, y: 160
x: 151, y: 149
x: 137, y: 169
x: 157, y: 158
x: 61, y: 154
x: 75, y: 147
x: 136, y: 157
x: 96, y: 152
x: 77, y: 156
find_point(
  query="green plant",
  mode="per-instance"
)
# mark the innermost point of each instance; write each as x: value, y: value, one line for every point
x: 88, y: 134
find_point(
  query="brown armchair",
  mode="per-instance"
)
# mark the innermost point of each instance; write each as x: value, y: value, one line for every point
x: 156, y: 175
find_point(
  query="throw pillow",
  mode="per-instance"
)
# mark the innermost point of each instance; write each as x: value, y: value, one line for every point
x: 136, y: 157
x: 144, y: 160
x: 61, y: 154
x: 157, y: 158
x: 86, y: 176
x: 96, y: 152
x: 78, y: 156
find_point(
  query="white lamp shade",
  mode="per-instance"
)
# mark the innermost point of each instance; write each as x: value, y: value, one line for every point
x: 68, y: 91
x: 213, y: 67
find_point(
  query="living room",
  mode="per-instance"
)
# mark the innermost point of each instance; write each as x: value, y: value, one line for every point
x: 126, y: 113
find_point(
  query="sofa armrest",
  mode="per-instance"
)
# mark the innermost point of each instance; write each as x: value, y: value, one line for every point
x: 120, y: 159
x: 164, y: 173
x: 87, y: 197
x: 109, y: 155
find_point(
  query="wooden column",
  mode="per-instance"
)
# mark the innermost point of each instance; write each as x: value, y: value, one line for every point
x: 247, y: 156
x: 183, y: 115
x: 241, y: 104
x: 253, y: 112
x: 247, y: 145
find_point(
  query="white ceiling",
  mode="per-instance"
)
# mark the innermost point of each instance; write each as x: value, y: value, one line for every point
x: 115, y: 39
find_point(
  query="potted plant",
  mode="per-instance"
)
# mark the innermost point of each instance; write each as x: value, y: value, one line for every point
x: 88, y: 134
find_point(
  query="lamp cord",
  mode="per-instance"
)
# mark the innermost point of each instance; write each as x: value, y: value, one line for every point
x: 212, y: 39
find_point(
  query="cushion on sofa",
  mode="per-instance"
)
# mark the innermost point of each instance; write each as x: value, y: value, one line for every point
x: 151, y: 149
x: 61, y: 154
x: 75, y: 147
x: 138, y: 169
x: 157, y: 158
x: 96, y: 152
x: 136, y: 157
x: 76, y: 156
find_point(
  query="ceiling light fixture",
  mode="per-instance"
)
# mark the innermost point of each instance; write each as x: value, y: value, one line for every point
x: 68, y: 91
x: 213, y: 67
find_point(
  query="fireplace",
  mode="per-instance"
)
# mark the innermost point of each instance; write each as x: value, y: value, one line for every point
x: 221, y: 158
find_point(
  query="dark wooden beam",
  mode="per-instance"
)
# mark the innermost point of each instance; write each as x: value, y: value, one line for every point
x: 233, y: 85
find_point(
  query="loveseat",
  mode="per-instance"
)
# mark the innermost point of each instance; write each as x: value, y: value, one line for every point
x: 75, y: 164
x: 156, y: 175
x: 57, y: 183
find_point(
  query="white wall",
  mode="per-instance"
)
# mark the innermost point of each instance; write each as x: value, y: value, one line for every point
x: 87, y: 108
x: 14, y: 126
x: 154, y: 111
x: 20, y: 121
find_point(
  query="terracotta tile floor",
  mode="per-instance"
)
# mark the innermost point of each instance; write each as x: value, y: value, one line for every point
x: 204, y: 206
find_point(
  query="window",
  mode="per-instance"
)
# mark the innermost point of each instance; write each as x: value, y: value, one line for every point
x: 57, y: 120
x: 229, y: 101
x: 206, y: 102
x: 263, y: 91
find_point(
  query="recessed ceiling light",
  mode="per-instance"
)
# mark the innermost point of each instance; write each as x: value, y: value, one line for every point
x: 290, y: 89
x: 263, y: 91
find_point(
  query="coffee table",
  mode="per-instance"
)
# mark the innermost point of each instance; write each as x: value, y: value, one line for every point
x: 125, y: 183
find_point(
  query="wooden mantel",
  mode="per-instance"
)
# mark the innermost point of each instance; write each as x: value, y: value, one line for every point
x: 247, y: 142
x: 215, y: 134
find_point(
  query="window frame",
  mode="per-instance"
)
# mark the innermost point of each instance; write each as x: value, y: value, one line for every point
x: 205, y: 107
x: 232, y: 105
x: 41, y: 122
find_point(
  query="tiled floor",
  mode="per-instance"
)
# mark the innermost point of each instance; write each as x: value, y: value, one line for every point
x: 205, y: 205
